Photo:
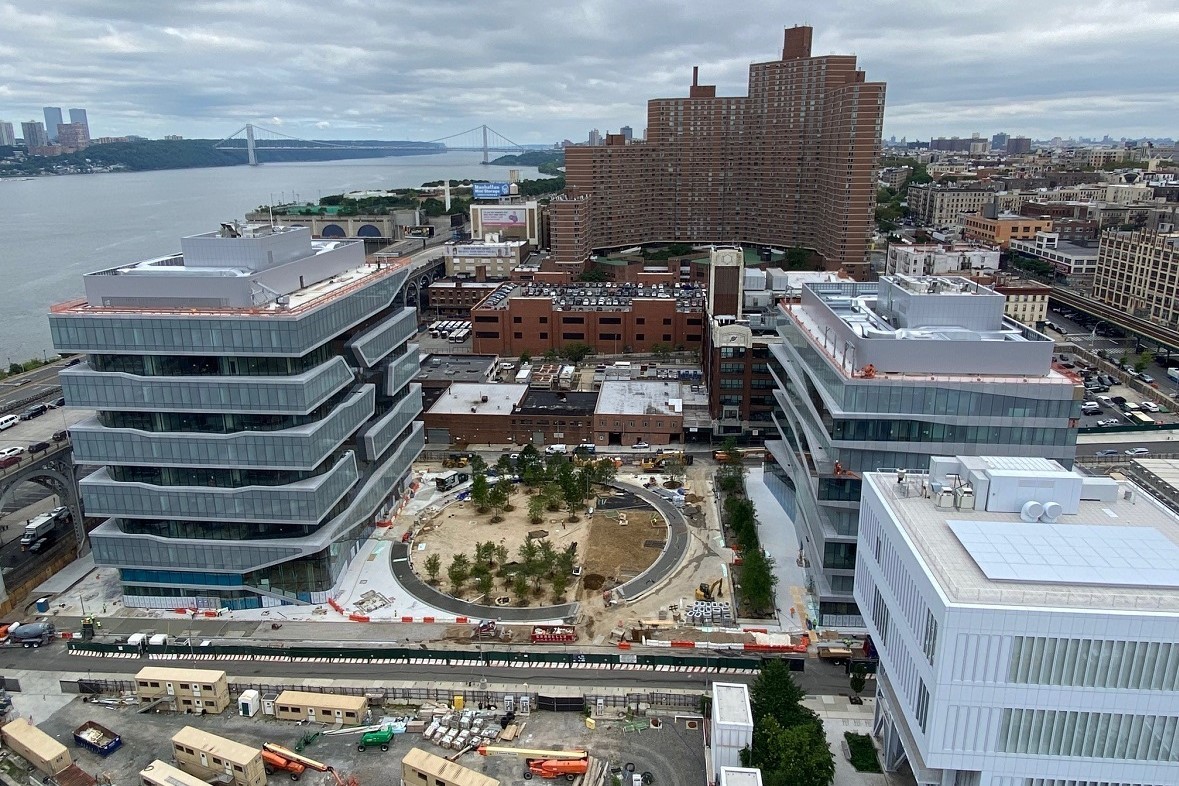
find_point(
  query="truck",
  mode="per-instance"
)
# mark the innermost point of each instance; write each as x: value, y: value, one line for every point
x: 556, y: 768
x: 1173, y: 374
x: 97, y: 738
x: 31, y: 634
x: 380, y: 736
x: 37, y: 528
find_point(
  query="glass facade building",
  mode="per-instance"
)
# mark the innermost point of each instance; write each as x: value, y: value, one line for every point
x: 254, y: 414
x: 884, y: 375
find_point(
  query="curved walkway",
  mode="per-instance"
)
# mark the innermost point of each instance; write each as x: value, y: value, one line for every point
x: 673, y: 551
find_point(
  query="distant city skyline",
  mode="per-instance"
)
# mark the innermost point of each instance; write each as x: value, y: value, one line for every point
x: 1038, y: 70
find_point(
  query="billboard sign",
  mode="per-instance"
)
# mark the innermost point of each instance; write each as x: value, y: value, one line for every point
x: 420, y: 231
x: 503, y: 217
x: 489, y: 190
x: 478, y: 251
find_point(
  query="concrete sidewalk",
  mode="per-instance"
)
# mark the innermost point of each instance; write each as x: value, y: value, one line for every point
x: 777, y: 536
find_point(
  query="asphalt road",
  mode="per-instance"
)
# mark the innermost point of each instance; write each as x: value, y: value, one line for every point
x: 37, y: 384
x: 1081, y: 336
x: 818, y: 678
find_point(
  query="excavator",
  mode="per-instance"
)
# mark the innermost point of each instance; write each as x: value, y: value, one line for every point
x: 548, y: 764
x: 660, y: 461
x: 707, y: 592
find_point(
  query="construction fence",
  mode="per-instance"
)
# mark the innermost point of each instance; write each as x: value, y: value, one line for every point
x: 713, y: 662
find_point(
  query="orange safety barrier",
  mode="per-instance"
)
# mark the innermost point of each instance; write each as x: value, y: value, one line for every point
x: 688, y: 645
x: 335, y: 605
x: 180, y: 611
x: 624, y: 645
x: 461, y: 620
x: 755, y: 630
x: 386, y: 523
x: 67, y: 634
x: 407, y: 619
x: 210, y: 614
x: 427, y: 619
x: 358, y: 617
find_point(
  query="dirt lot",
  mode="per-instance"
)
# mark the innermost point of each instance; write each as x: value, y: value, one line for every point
x: 673, y: 754
x: 608, y: 552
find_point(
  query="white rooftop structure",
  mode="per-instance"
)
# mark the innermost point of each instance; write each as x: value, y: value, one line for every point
x: 483, y: 398
x: 1027, y: 623
x: 732, y: 724
x: 657, y: 397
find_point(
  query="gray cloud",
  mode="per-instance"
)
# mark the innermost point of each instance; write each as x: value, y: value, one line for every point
x: 539, y: 72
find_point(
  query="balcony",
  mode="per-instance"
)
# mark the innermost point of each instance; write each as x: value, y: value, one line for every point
x: 303, y: 447
x: 402, y: 370
x: 304, y: 502
x: 375, y: 439
x: 299, y: 394
x: 375, y: 343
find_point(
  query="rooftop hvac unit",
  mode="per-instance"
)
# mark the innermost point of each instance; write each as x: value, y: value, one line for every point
x: 1031, y: 511
x: 945, y: 498
x: 1052, y: 511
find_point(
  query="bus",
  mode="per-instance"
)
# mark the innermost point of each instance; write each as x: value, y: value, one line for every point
x: 460, y: 335
x: 449, y: 479
x: 1140, y: 419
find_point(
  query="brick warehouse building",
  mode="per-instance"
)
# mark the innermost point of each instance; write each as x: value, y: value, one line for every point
x: 793, y: 164
x: 611, y: 317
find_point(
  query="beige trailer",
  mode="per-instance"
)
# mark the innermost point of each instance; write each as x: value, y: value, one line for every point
x: 160, y: 773
x: 422, y: 768
x: 203, y: 754
x: 36, y: 747
x: 188, y: 690
x: 329, y: 708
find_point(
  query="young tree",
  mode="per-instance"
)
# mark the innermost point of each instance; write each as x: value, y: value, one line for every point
x: 525, y: 357
x: 858, y: 679
x: 536, y: 508
x: 477, y: 465
x: 433, y: 565
x: 497, y: 498
x: 459, y: 570
x: 792, y: 756
x: 560, y: 584
x: 1142, y: 362
x: 481, y: 493
x: 553, y: 496
x: 504, y: 466
x: 576, y: 351
x: 758, y: 579
x: 566, y: 560
x: 520, y: 587
x: 775, y: 694
x: 675, y: 469
x: 484, y: 584
x: 504, y: 489
x: 527, y: 553
x: 546, y: 557
x: 501, y: 554
x: 573, y: 493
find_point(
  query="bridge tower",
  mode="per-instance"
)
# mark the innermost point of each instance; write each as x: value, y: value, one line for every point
x: 252, y: 153
x: 484, y: 143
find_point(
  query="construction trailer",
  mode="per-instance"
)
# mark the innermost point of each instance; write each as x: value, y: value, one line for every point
x: 422, y: 768
x: 329, y: 708
x: 204, y: 754
x: 198, y: 691
x: 36, y: 747
x: 732, y: 724
x: 160, y: 773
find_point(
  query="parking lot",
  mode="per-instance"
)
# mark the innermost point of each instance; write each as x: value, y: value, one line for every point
x: 673, y: 753
x: 1095, y: 335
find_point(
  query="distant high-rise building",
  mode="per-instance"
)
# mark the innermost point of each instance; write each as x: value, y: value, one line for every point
x: 1018, y: 145
x: 999, y: 141
x: 52, y: 121
x: 73, y: 136
x: 951, y: 145
x: 7, y: 134
x: 595, y: 137
x: 34, y: 134
x: 790, y: 165
x: 79, y: 116
x: 627, y: 133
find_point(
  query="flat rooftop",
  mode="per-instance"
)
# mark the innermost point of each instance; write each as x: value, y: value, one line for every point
x: 599, y: 296
x: 554, y: 402
x: 488, y: 398
x: 732, y: 703
x: 456, y: 368
x: 1112, y: 554
x: 636, y: 397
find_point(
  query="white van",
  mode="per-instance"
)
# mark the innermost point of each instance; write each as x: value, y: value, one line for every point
x: 8, y: 421
x: 1105, y: 401
x: 551, y: 450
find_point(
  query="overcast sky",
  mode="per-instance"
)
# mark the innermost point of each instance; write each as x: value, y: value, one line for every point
x: 541, y: 71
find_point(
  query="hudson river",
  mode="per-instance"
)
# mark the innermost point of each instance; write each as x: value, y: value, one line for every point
x: 57, y: 228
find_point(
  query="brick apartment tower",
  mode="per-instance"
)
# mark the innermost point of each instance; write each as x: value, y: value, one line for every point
x: 792, y: 164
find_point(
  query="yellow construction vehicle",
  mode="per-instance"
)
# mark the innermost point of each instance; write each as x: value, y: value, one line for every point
x: 709, y: 591
x: 456, y: 461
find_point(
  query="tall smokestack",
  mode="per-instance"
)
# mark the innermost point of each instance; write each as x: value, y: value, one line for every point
x: 695, y: 75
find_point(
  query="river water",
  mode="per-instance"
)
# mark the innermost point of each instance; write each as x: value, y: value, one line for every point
x: 54, y: 229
